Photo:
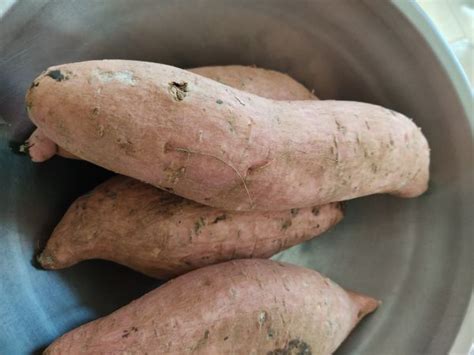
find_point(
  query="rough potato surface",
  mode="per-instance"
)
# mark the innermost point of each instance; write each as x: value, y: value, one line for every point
x: 258, y: 81
x: 224, y: 147
x: 164, y: 235
x: 238, y: 307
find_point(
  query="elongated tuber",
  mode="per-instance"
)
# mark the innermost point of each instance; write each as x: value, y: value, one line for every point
x: 238, y: 307
x: 235, y: 150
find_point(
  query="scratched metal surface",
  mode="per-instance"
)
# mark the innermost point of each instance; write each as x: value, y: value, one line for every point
x: 412, y: 254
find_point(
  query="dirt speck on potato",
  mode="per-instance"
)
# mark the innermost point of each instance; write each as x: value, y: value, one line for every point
x: 286, y: 224
x: 198, y: 225
x: 222, y: 217
x: 294, y: 347
x: 178, y: 90
x: 294, y: 211
x: 315, y: 211
x: 202, y: 341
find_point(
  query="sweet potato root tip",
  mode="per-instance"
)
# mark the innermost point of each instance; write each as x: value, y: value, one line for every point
x: 46, y: 261
x: 366, y: 304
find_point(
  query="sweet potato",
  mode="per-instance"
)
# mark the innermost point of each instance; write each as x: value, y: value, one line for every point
x: 258, y: 81
x: 163, y: 235
x: 237, y: 307
x: 223, y: 147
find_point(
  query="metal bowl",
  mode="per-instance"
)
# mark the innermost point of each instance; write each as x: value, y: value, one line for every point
x: 414, y: 254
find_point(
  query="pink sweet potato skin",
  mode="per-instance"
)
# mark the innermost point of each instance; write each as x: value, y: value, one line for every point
x: 238, y: 307
x: 163, y: 235
x: 266, y: 83
x: 41, y: 148
x: 262, y: 82
x: 223, y: 147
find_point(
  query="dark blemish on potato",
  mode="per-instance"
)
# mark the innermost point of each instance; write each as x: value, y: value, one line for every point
x: 340, y: 127
x: 315, y: 211
x: 202, y: 341
x: 95, y: 111
x: 294, y: 211
x: 34, y: 84
x: 367, y: 125
x: 168, y: 147
x: 219, y: 102
x: 231, y: 122
x: 198, y: 225
x: 207, y: 282
x: 270, y: 333
x: 123, y: 143
x: 335, y: 151
x: 56, y: 75
x: 260, y: 165
x: 225, y: 338
x: 286, y: 224
x: 294, y: 347
x: 219, y: 218
x: 178, y: 90
x: 374, y: 168
x: 127, y: 332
